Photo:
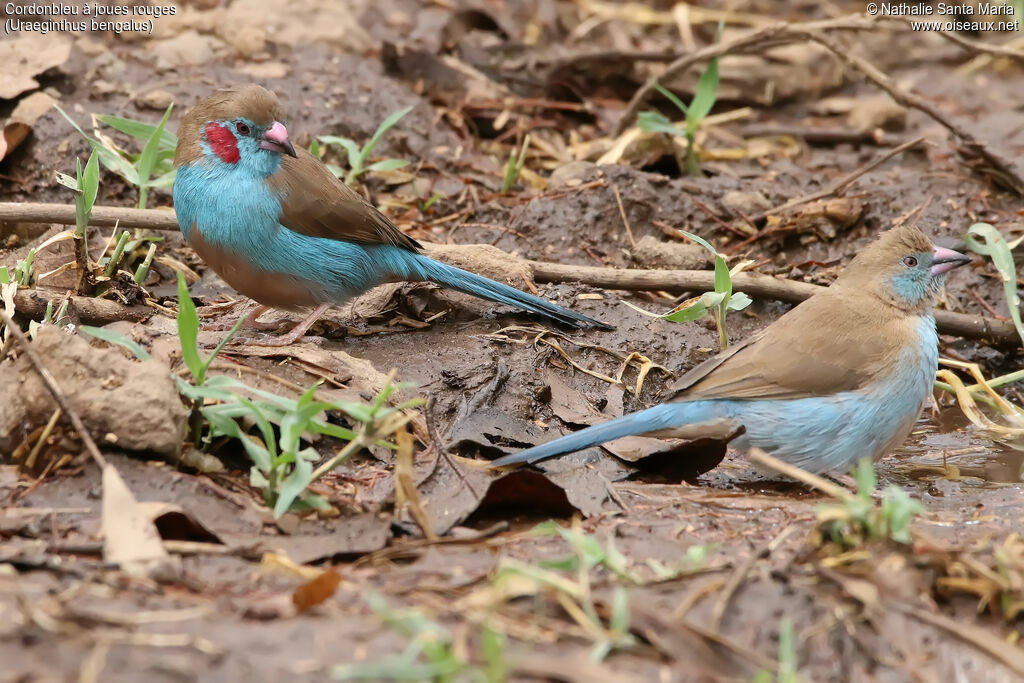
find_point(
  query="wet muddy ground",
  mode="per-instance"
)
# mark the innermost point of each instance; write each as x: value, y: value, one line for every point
x: 713, y: 570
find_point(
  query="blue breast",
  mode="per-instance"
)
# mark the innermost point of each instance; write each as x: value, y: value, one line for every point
x: 237, y: 212
x: 832, y: 433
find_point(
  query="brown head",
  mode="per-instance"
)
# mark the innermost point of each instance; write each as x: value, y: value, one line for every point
x: 232, y: 126
x: 902, y: 268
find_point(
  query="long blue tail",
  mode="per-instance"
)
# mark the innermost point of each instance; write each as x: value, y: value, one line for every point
x: 470, y: 283
x: 650, y: 420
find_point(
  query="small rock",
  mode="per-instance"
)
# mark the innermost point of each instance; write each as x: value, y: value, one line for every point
x: 746, y: 203
x: 877, y: 112
x: 650, y: 252
x: 155, y: 99
x: 188, y: 48
x: 247, y: 40
x: 135, y: 402
x: 572, y: 174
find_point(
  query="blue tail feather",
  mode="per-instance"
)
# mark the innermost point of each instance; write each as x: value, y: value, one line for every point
x: 650, y: 420
x: 425, y: 268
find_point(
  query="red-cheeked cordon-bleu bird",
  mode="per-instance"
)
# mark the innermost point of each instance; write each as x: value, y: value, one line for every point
x: 276, y: 224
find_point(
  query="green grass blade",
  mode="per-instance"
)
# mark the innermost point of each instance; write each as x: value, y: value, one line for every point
x: 149, y: 153
x: 139, y: 130
x: 671, y: 97
x: 188, y: 333
x: 116, y: 338
x: 383, y: 128
x: 994, y: 246
x: 704, y: 98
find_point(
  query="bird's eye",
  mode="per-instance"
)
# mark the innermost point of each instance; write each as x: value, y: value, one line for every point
x: 243, y: 128
x: 909, y: 261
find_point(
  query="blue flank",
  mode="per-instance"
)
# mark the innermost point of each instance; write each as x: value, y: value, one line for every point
x: 244, y: 220
x: 818, y: 434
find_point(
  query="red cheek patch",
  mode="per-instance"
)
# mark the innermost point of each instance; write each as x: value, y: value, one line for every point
x: 222, y: 142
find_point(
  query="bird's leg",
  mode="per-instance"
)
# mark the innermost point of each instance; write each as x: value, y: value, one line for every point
x: 296, y: 332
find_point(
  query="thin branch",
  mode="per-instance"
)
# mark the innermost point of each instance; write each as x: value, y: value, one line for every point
x: 54, y: 389
x: 840, y: 185
x: 998, y: 332
x: 757, y: 41
x: 915, y: 101
x: 102, y: 216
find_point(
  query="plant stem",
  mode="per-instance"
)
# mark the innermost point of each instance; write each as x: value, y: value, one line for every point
x: 115, y: 257
x: 723, y: 338
x: 143, y: 269
x: 692, y: 167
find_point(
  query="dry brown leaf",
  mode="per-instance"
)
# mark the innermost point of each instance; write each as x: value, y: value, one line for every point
x: 316, y: 590
x: 130, y: 539
x: 26, y: 57
x: 22, y: 119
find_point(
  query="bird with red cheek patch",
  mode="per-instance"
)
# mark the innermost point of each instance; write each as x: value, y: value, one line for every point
x: 276, y: 224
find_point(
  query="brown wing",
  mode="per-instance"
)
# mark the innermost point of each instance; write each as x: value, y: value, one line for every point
x: 821, y: 347
x: 317, y: 204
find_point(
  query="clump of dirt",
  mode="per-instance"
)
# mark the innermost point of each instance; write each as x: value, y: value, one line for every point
x: 124, y: 403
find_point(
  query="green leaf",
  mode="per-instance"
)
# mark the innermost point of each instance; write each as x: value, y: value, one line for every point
x: 165, y: 180
x: 701, y: 241
x: 350, y: 146
x: 656, y: 122
x: 738, y: 301
x: 619, y: 622
x: 139, y: 130
x: 995, y: 246
x: 723, y: 281
x: 293, y: 485
x: 703, y: 98
x: 383, y: 128
x: 5, y: 276
x: 149, y: 153
x: 67, y: 181
x: 671, y: 97
x: 90, y: 182
x: 712, y: 299
x: 188, y: 333
x: 223, y: 342
x: 314, y: 148
x: 116, y: 338
x: 688, y: 314
x: 387, y: 165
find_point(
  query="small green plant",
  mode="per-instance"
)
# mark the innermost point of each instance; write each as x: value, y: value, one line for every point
x: 431, y: 654
x: 152, y: 167
x: 857, y: 519
x: 356, y: 157
x: 984, y: 239
x: 718, y: 303
x: 786, y: 672
x: 515, y: 164
x: 23, y: 269
x: 574, y: 596
x: 703, y: 100
x: 282, y: 468
x: 85, y: 185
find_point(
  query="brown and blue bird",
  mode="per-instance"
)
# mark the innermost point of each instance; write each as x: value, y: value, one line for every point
x: 280, y: 228
x: 840, y: 377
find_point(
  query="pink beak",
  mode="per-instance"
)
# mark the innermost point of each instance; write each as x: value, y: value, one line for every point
x: 945, y: 260
x: 276, y: 140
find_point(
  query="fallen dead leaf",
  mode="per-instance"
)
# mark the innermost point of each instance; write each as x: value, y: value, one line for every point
x: 22, y: 119
x: 317, y: 590
x: 130, y: 539
x: 26, y: 57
